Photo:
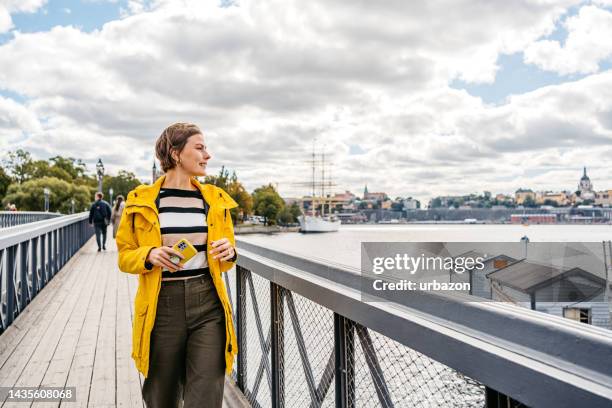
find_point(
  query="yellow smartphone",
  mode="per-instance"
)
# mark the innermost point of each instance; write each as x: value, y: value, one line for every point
x: 185, y: 248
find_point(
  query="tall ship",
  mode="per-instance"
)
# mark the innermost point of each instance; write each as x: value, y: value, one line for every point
x: 315, y: 218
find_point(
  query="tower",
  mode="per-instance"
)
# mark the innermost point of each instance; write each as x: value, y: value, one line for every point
x: 585, y: 186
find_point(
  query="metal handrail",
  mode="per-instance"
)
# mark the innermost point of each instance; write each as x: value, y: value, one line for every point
x: 532, y: 357
x: 12, y: 218
x: 31, y: 254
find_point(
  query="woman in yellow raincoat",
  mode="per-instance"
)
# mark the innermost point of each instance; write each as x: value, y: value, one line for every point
x: 183, y: 339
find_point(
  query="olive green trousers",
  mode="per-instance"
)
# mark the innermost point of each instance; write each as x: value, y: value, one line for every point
x: 187, y: 358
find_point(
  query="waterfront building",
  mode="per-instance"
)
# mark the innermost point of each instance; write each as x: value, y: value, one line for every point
x: 586, y: 187
x: 533, y: 218
x: 410, y: 203
x: 523, y: 194
x: 378, y: 196
x: 560, y: 198
x: 604, y: 198
x: 569, y: 291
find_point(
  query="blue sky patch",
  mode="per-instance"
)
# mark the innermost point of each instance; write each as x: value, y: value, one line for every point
x: 86, y: 15
x: 515, y: 77
x: 355, y: 149
x: 13, y: 95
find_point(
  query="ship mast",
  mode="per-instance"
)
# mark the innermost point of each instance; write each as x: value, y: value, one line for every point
x: 313, y: 176
x: 323, y: 182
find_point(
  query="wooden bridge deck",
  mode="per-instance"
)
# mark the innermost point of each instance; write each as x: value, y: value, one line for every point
x: 77, y: 332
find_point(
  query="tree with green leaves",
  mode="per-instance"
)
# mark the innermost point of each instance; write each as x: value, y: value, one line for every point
x: 236, y: 190
x: 289, y: 214
x: 122, y: 184
x: 5, y: 181
x: 267, y: 203
x: 75, y: 168
x: 529, y: 202
x: 29, y: 195
x: 19, y: 165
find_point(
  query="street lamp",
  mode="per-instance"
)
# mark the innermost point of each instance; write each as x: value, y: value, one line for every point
x: 110, y: 191
x: 72, y: 206
x: 100, y: 171
x: 46, y: 192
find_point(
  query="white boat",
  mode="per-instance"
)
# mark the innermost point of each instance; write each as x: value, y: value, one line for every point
x: 312, y: 223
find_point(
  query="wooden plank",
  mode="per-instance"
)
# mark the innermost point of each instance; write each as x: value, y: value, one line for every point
x: 31, y: 315
x: 129, y: 387
x: 103, y: 380
x: 133, y: 285
x: 56, y: 374
x: 17, y: 361
x: 81, y: 370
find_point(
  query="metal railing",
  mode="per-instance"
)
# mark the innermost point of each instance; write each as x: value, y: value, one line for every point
x: 13, y: 218
x: 30, y: 255
x: 306, y: 338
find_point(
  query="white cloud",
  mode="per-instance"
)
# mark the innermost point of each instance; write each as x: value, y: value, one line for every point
x: 8, y: 7
x: 264, y: 78
x: 15, y: 120
x: 587, y: 44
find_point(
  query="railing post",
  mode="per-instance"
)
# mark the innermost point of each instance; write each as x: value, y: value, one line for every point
x: 23, y: 274
x: 34, y: 265
x: 10, y: 284
x: 344, y: 352
x: 276, y: 347
x: 43, y: 260
x: 55, y: 253
x: 241, y: 377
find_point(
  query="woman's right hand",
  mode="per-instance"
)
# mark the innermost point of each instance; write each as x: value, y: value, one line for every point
x: 161, y: 257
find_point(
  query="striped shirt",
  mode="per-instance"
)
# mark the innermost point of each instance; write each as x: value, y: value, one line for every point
x: 182, y: 214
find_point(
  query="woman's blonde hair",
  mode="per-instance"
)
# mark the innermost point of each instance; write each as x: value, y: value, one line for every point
x: 173, y: 138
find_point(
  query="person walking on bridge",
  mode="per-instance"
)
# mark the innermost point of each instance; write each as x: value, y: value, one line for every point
x: 183, y: 339
x: 99, y: 216
x: 116, y: 214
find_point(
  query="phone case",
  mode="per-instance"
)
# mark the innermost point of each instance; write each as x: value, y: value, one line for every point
x: 184, y: 247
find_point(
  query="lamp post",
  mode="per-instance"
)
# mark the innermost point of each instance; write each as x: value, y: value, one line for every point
x: 110, y: 191
x: 100, y: 171
x: 525, y: 239
x: 72, y: 206
x: 46, y: 192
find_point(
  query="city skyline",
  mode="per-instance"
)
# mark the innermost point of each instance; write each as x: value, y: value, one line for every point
x: 521, y: 99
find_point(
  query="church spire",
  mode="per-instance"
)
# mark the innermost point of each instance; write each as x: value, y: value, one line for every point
x: 154, y: 173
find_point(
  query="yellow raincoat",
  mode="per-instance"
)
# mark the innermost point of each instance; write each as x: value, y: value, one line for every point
x: 139, y: 232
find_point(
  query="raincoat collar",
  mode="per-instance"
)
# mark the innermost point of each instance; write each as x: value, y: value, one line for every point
x: 145, y: 195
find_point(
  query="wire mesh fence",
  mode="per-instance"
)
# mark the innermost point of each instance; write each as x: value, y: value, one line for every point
x: 388, y: 374
x: 292, y: 348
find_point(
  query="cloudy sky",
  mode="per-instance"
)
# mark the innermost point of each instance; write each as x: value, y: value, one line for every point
x: 411, y: 98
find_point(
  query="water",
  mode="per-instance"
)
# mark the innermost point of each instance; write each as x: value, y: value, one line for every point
x: 343, y: 247
x: 412, y: 378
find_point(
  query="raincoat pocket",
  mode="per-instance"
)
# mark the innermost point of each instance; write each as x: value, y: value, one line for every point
x: 138, y: 332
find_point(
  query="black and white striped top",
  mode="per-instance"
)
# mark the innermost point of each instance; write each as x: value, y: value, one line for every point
x: 182, y: 214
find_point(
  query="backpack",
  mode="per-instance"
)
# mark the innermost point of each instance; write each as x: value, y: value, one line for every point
x: 99, y: 212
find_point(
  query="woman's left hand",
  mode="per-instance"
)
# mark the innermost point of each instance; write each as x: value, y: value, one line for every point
x: 222, y: 249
